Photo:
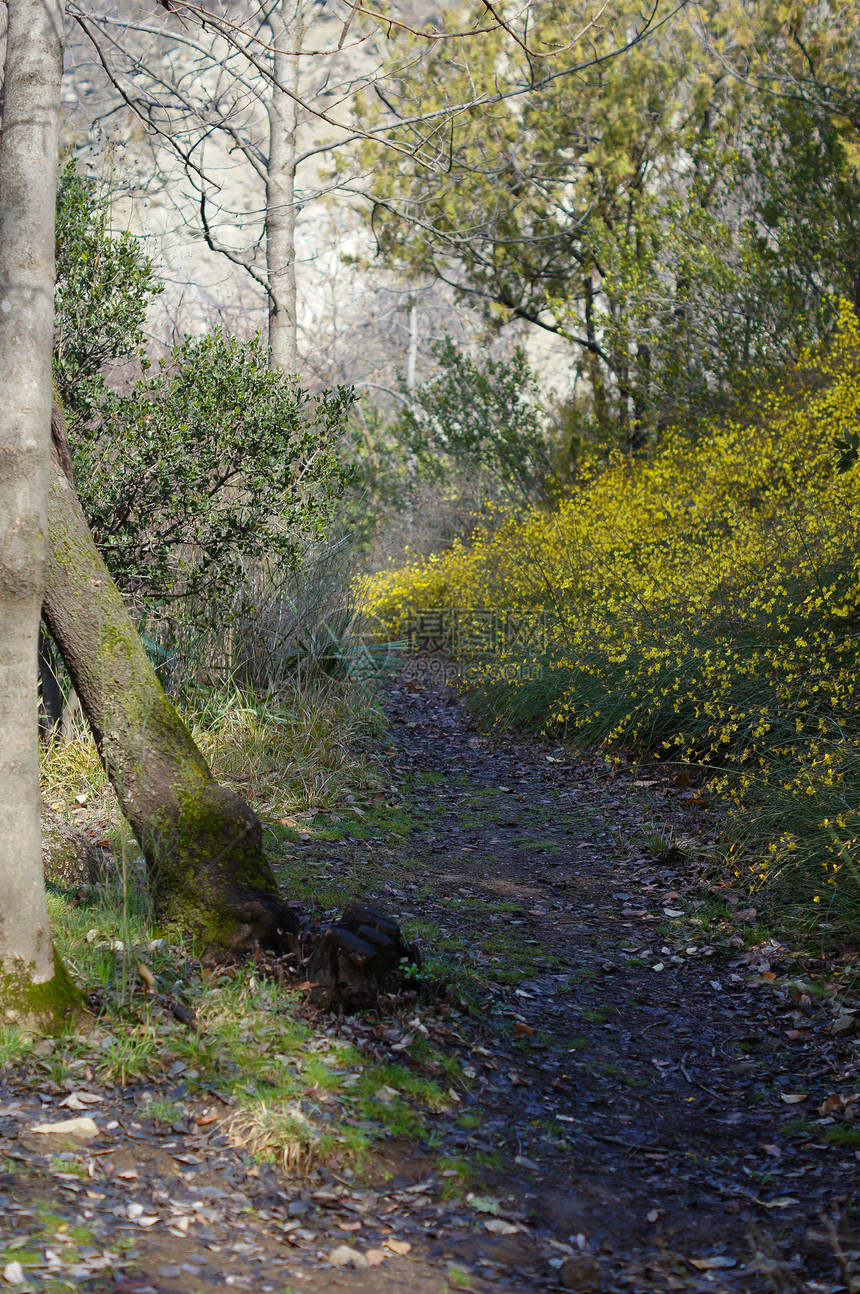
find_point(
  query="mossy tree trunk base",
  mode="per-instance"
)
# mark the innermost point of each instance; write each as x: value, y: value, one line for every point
x: 202, y: 842
x: 68, y: 857
x: 47, y: 1007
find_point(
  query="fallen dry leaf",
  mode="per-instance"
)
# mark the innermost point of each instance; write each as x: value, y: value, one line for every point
x: 399, y: 1247
x: 839, y: 1103
x: 715, y: 1263
x: 81, y: 1129
x: 80, y: 1100
x: 792, y: 1098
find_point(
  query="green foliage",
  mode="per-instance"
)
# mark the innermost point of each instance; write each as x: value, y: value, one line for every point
x: 798, y: 249
x: 104, y: 287
x: 214, y: 462
x: 700, y: 606
x: 380, y: 462
x: 196, y: 474
x: 579, y: 204
x: 684, y: 231
x: 849, y: 451
x: 481, y: 416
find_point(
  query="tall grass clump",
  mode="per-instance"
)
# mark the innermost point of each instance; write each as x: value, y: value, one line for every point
x: 699, y: 605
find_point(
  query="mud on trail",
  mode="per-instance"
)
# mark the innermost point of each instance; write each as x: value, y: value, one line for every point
x: 657, y: 1096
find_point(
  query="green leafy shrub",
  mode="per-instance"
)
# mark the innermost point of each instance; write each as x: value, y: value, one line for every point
x: 698, y: 606
x: 197, y: 476
x: 482, y: 417
x: 105, y: 285
x: 212, y: 464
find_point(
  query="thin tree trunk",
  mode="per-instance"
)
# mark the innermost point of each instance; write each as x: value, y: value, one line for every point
x: 35, y: 990
x: 412, y: 355
x: 598, y: 382
x: 202, y: 842
x: 286, y: 29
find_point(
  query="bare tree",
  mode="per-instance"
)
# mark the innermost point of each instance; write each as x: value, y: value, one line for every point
x: 256, y: 98
x: 34, y: 988
x: 228, y: 98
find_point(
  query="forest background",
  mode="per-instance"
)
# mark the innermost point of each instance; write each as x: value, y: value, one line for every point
x: 573, y: 300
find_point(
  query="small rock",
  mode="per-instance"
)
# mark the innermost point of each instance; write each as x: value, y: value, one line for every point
x: 344, y: 1256
x: 525, y: 1162
x: 581, y: 1272
x: 499, y: 1227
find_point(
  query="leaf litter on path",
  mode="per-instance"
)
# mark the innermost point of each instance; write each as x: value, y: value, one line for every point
x: 609, y: 1128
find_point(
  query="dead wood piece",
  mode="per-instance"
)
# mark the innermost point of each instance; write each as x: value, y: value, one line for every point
x: 70, y: 860
x: 358, y: 956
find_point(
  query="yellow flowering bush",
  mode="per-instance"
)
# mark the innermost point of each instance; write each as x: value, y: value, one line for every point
x: 701, y: 606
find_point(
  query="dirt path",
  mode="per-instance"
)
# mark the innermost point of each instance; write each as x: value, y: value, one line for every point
x: 655, y: 1101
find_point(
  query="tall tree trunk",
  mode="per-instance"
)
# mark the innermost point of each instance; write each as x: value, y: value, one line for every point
x: 412, y: 354
x: 34, y: 988
x: 286, y: 28
x: 202, y: 842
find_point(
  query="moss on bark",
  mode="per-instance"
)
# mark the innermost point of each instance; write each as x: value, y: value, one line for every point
x: 49, y: 1006
x: 202, y: 843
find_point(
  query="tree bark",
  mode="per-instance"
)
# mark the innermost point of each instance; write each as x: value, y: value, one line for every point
x: 202, y: 842
x: 35, y: 990
x: 286, y: 28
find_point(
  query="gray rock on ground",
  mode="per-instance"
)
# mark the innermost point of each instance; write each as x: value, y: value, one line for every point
x: 69, y: 858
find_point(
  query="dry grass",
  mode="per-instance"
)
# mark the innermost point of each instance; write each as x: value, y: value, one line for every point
x: 299, y: 751
x: 72, y: 768
x: 282, y: 1133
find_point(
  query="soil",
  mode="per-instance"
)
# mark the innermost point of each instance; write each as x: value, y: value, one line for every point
x: 662, y: 1093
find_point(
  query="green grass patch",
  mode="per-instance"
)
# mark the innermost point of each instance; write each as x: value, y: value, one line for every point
x: 300, y: 1093
x: 842, y: 1136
